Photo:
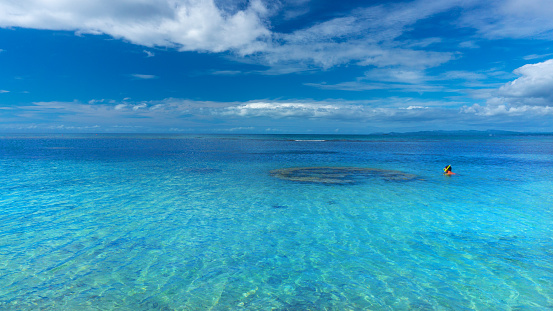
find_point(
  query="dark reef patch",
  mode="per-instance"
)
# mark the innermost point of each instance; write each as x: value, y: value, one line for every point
x: 339, y: 175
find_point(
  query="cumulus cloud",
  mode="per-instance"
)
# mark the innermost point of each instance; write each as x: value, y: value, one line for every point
x: 188, y: 25
x: 536, y: 82
x: 530, y: 95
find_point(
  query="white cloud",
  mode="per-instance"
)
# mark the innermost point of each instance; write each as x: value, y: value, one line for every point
x: 536, y: 56
x: 464, y: 75
x: 352, y: 86
x: 149, y: 53
x: 511, y: 18
x: 536, y: 82
x: 139, y: 106
x: 366, y: 37
x: 364, y: 85
x: 530, y: 95
x: 372, y: 36
x: 187, y: 25
x: 294, y: 8
x: 120, y: 106
x: 511, y: 111
x: 327, y: 54
x: 281, y: 110
x: 396, y: 114
x: 143, y: 76
x: 468, y: 45
x: 241, y: 128
x: 203, y: 25
x: 227, y: 72
x: 4, y: 91
x: 412, y: 79
x: 171, y: 110
x: 396, y: 75
x: 416, y: 107
x: 345, y: 111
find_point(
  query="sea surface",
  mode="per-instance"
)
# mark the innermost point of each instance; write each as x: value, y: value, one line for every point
x: 276, y: 222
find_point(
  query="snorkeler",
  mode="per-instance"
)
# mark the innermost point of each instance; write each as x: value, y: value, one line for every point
x: 447, y: 170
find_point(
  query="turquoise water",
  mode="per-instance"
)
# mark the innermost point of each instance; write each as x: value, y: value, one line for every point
x: 169, y: 222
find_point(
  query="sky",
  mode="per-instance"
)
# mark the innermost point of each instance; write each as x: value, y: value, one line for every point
x: 275, y: 67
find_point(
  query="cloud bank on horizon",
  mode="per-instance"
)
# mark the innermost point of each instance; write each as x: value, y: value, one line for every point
x: 409, y: 65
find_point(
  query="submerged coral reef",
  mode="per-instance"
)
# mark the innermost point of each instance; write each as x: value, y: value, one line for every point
x: 338, y: 175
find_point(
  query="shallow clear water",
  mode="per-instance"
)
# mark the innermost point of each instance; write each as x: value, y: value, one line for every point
x: 165, y: 222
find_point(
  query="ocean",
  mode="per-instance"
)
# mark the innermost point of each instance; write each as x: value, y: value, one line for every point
x: 276, y: 222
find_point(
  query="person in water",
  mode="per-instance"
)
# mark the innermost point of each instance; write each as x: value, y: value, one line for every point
x: 447, y: 170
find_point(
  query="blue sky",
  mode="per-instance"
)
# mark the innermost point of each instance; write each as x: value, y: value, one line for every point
x: 289, y: 66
